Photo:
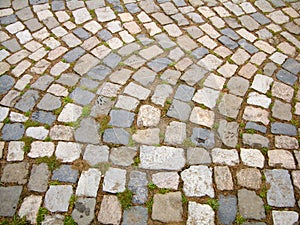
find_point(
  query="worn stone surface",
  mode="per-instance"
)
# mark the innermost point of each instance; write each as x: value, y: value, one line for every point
x: 137, y: 215
x: 197, y: 181
x: 167, y: 208
x: 9, y: 200
x: 250, y: 205
x: 88, y: 183
x: 110, y: 210
x: 39, y: 176
x: 227, y: 209
x: 200, y: 214
x: 57, y: 198
x: 15, y: 173
x: 114, y: 180
x: 223, y: 178
x: 168, y: 158
x: 281, y: 193
x: 249, y: 178
x: 83, y: 212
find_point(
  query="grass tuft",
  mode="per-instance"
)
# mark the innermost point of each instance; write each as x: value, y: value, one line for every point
x: 125, y: 199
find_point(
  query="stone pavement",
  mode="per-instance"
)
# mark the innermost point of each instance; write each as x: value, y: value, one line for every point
x: 149, y: 112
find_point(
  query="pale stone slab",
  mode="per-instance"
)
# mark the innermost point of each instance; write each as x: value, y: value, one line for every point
x: 225, y: 156
x: 114, y: 180
x: 197, y: 181
x: 110, y: 210
x: 88, y: 183
x: 30, y: 207
x: 165, y: 158
x: 166, y: 180
x: 200, y: 214
x: 57, y: 198
x: 68, y: 151
x: 252, y: 157
x: 41, y: 149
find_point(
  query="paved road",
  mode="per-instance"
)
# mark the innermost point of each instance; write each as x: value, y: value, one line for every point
x: 149, y: 112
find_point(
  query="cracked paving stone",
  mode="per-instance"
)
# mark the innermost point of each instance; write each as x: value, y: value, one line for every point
x: 116, y: 136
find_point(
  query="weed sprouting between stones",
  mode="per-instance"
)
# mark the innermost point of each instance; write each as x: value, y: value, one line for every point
x: 41, y: 215
x: 125, y: 199
x: 52, y: 162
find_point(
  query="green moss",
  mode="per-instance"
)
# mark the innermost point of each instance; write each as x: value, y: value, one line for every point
x: 125, y: 199
x: 239, y: 219
x: 163, y: 190
x: 136, y: 161
x: 41, y: 215
x: 54, y: 182
x: 52, y: 162
x: 16, y: 220
x: 268, y: 208
x: 184, y: 198
x: 86, y: 110
x: 31, y: 123
x: 67, y: 100
x: 213, y: 203
x: 187, y: 143
x: 152, y: 186
x: 69, y: 221
x: 149, y: 205
x: 103, y: 120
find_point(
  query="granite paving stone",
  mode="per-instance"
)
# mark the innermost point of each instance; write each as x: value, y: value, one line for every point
x: 114, y: 180
x: 30, y: 207
x: 250, y: 205
x: 197, y: 181
x: 281, y: 158
x: 38, y: 180
x: 88, y: 183
x: 65, y: 174
x: 281, y: 193
x: 173, y: 159
x: 57, y: 198
x: 83, y: 212
x: 9, y: 200
x: 166, y: 180
x: 138, y: 185
x: 200, y: 213
x: 110, y: 210
x: 167, y: 207
x: 136, y: 214
x: 228, y: 209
